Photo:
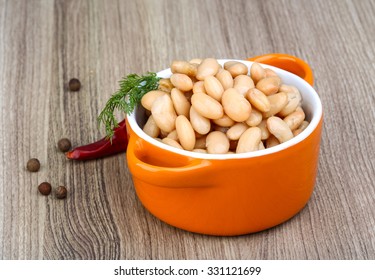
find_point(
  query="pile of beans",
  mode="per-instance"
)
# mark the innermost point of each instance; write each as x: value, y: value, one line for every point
x: 204, y: 107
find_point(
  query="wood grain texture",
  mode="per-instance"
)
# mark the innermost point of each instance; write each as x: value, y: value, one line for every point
x: 45, y: 43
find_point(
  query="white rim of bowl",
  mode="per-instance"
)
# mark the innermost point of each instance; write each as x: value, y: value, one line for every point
x: 299, y: 82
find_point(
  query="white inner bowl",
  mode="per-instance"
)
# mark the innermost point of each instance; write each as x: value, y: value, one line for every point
x: 311, y: 105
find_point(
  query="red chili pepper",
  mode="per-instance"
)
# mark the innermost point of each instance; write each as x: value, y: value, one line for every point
x: 103, y: 147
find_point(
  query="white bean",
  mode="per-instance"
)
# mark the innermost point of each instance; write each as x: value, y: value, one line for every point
x: 236, y: 105
x: 200, y: 124
x: 249, y: 140
x: 180, y: 102
x: 279, y: 129
x: 208, y: 67
x: 163, y: 113
x: 217, y: 143
x: 185, y: 133
x: 235, y: 132
x: 207, y: 106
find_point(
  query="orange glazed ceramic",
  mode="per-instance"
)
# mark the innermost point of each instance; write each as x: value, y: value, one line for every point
x: 230, y: 194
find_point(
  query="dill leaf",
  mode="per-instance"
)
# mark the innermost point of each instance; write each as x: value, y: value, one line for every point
x: 132, y: 89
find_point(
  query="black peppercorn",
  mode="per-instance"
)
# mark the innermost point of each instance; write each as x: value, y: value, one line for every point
x: 64, y: 144
x: 74, y: 85
x: 33, y: 165
x: 61, y: 192
x: 45, y: 188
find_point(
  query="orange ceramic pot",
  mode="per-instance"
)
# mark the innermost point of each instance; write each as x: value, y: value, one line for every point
x: 229, y: 194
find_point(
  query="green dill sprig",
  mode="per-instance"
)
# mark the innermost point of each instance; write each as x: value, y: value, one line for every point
x: 132, y: 88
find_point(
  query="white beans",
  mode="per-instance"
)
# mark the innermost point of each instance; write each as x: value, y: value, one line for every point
x: 294, y: 99
x: 270, y: 73
x: 295, y: 119
x: 217, y: 143
x: 199, y: 87
x: 257, y: 72
x: 184, y: 67
x: 236, y: 105
x: 225, y: 78
x: 264, y: 130
x: 249, y: 140
x: 182, y: 82
x: 151, y: 128
x: 163, y: 112
x: 279, y: 129
x: 255, y: 118
x: 208, y: 67
x: 172, y: 143
x: 236, y: 68
x: 185, y: 133
x: 301, y: 128
x: 259, y: 100
x: 277, y: 102
x: 165, y: 85
x: 224, y: 121
x: 269, y: 85
x: 213, y: 87
x: 206, y: 108
x: 173, y: 135
x: 235, y: 132
x: 199, y: 123
x: 180, y: 102
x: 272, y: 141
x: 242, y: 83
x: 149, y: 98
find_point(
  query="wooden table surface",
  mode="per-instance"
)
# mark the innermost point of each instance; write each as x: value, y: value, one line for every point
x: 45, y: 43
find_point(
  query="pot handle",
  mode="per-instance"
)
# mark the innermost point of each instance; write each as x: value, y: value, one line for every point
x: 287, y: 62
x: 186, y: 172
